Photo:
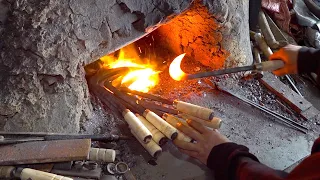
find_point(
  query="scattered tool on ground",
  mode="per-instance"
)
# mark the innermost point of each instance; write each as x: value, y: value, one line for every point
x: 287, y: 121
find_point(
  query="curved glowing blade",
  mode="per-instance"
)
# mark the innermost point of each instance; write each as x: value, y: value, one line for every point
x: 175, y: 71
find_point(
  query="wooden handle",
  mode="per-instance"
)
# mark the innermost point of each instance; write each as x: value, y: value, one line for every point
x: 137, y: 126
x: 272, y: 65
x: 194, y: 110
x: 102, y: 155
x: 157, y: 136
x: 6, y: 171
x: 168, y: 130
x: 153, y: 148
x: 174, y: 121
x: 214, y: 123
x: 27, y: 174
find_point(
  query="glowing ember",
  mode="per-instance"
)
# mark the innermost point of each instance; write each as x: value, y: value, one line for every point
x: 140, y: 80
x: 175, y: 71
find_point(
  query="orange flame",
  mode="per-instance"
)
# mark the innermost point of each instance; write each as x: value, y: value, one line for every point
x: 140, y: 80
x: 175, y: 71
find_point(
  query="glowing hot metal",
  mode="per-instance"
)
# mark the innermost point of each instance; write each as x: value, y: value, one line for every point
x: 177, y: 74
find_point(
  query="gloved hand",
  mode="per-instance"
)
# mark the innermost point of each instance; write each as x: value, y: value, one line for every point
x: 289, y: 55
x: 205, y: 139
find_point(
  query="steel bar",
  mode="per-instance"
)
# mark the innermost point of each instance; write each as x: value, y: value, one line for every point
x: 108, y: 99
x: 7, y: 141
x: 129, y: 99
x: 147, y: 95
x: 93, y: 137
x: 103, y: 74
x: 293, y: 85
x: 149, y: 105
x: 276, y: 115
x: 220, y: 72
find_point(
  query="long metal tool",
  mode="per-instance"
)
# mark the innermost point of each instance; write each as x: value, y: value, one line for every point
x: 280, y: 117
x: 177, y: 74
x: 42, y: 136
x: 264, y: 66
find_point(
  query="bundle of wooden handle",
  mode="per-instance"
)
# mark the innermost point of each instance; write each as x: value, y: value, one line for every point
x: 151, y: 119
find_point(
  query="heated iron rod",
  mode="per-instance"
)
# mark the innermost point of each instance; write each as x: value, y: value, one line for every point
x: 125, y: 97
x: 147, y: 95
x: 158, y: 107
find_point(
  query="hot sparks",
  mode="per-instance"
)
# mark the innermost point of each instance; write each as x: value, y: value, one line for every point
x: 142, y: 79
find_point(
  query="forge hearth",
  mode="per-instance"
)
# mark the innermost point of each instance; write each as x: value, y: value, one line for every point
x: 46, y: 44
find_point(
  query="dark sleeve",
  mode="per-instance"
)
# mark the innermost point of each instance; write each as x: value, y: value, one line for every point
x: 233, y: 161
x: 309, y: 60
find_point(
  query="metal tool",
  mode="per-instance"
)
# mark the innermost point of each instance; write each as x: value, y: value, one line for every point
x: 281, y: 118
x: 6, y: 141
x: 32, y: 136
x: 177, y: 74
x: 264, y: 66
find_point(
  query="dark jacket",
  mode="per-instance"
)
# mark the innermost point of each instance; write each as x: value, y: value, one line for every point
x: 233, y: 161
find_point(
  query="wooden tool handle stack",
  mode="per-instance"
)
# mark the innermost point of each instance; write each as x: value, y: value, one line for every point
x: 163, y: 128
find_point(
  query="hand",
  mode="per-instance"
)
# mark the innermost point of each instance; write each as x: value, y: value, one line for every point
x: 289, y: 55
x: 205, y: 139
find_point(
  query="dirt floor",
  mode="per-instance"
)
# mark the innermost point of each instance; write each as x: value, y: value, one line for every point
x: 275, y: 144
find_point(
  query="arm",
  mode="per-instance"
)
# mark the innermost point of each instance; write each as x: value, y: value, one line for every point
x: 228, y: 160
x: 297, y: 59
x: 309, y: 60
x: 232, y: 161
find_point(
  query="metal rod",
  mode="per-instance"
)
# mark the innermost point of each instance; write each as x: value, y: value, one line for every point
x: 125, y: 97
x: 220, y: 72
x: 276, y: 115
x: 158, y: 107
x: 93, y: 137
x: 293, y: 85
x: 6, y: 141
x: 266, y: 109
x: 147, y: 95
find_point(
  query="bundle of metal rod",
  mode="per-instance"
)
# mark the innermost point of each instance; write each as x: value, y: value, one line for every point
x: 146, y: 95
x: 184, y: 110
x: 156, y: 118
x: 287, y: 121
